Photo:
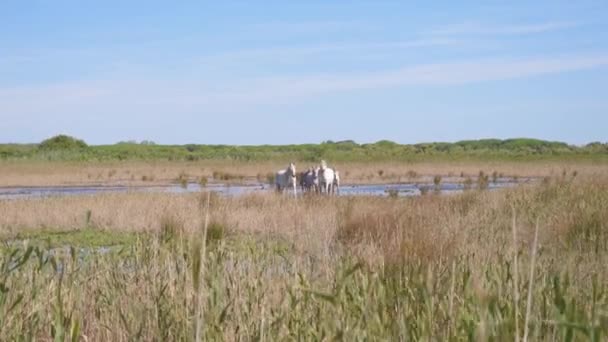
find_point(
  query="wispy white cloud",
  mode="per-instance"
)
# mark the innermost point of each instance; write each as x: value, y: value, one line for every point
x: 187, y: 94
x: 474, y: 28
x: 443, y: 74
x: 308, y: 27
x: 319, y: 49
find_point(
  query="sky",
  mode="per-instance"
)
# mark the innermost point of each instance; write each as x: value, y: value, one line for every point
x: 290, y: 72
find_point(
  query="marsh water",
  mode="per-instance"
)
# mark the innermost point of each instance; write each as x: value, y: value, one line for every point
x: 397, y: 189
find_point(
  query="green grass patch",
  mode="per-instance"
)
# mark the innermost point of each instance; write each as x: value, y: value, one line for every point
x: 85, y: 238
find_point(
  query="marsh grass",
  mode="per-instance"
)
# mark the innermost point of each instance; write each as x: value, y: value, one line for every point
x: 483, y: 181
x: 429, y: 268
x: 392, y: 193
x: 32, y: 173
x: 467, y: 183
x: 216, y: 232
x: 270, y: 178
x: 228, y: 176
x: 171, y: 228
x: 182, y: 179
x: 437, y: 183
x: 423, y: 189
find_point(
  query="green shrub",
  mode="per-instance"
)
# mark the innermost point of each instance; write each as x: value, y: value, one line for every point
x: 62, y: 142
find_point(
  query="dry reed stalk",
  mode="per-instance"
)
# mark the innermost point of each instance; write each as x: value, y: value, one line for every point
x: 199, y: 307
x: 531, y: 283
x: 515, y: 275
x: 451, y: 304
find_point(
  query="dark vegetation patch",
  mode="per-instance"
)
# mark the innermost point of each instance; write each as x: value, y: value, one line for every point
x: 61, y: 142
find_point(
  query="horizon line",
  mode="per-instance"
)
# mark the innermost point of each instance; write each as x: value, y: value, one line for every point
x: 150, y: 142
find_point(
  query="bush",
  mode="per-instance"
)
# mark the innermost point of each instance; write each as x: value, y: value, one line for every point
x: 62, y: 142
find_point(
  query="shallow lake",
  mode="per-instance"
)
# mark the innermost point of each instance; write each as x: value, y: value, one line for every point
x: 401, y: 189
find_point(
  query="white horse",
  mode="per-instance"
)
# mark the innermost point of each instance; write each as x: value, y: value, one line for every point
x: 327, y: 176
x: 285, y: 178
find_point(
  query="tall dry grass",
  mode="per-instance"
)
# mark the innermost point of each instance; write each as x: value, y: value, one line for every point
x: 428, y: 268
x: 37, y: 173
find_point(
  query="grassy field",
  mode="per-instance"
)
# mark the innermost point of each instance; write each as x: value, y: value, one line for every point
x: 528, y: 262
x: 40, y: 173
x: 64, y: 160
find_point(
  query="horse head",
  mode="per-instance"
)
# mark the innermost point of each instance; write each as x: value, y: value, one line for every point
x: 323, y: 165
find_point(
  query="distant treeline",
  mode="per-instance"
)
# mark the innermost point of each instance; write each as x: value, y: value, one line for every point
x: 65, y: 148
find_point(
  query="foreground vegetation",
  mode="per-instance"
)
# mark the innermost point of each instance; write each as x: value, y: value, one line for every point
x: 65, y: 148
x: 526, y: 262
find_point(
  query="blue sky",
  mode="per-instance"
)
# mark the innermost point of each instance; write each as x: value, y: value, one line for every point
x: 275, y: 72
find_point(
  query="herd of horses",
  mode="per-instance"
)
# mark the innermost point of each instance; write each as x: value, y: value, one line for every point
x: 319, y: 179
